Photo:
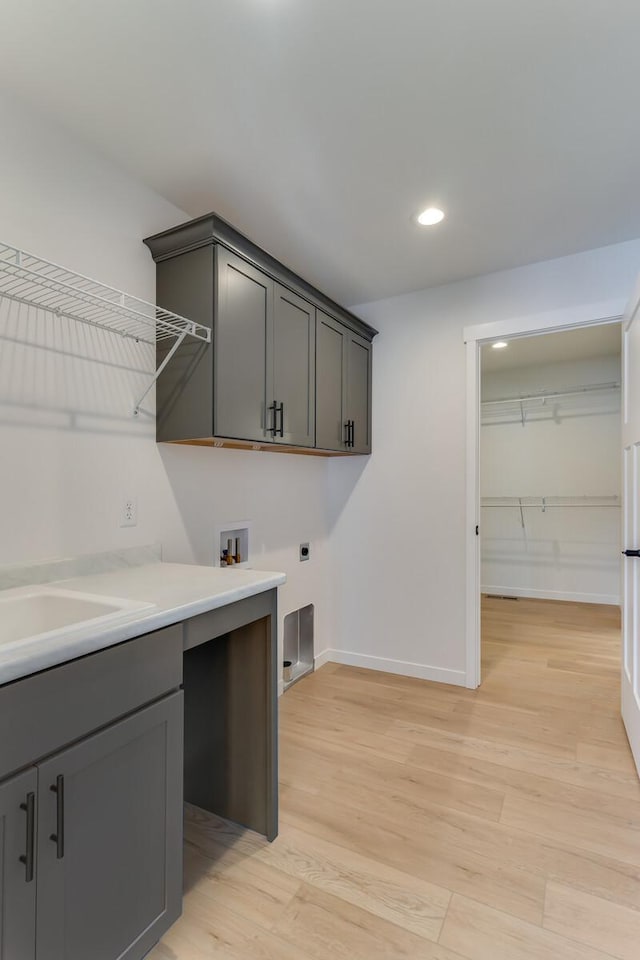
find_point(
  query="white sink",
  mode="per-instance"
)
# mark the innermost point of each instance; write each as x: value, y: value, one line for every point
x: 39, y: 613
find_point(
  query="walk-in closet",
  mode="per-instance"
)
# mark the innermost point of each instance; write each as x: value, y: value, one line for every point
x: 550, y: 466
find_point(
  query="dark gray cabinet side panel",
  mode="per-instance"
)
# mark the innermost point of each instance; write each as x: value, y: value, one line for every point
x: 184, y: 392
x: 359, y: 392
x: 293, y: 367
x: 118, y: 886
x: 17, y: 879
x: 243, y: 321
x: 331, y: 383
x: 231, y: 725
x: 51, y: 709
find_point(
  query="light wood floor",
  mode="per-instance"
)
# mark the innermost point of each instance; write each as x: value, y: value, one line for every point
x: 431, y: 822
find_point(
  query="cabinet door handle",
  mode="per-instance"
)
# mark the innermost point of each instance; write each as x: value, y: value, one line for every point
x: 353, y: 433
x: 281, y: 420
x: 28, y: 858
x: 347, y: 433
x: 349, y: 440
x: 273, y: 408
x: 631, y: 553
x: 58, y: 836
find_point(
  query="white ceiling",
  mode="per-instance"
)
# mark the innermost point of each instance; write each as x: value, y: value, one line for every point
x: 319, y: 127
x: 585, y: 343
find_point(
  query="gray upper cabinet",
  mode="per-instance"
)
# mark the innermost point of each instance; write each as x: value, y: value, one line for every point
x: 343, y: 394
x: 110, y: 839
x: 254, y: 385
x: 331, y: 384
x: 264, y: 346
x: 17, y: 867
x: 243, y: 332
x: 359, y: 393
x: 294, y: 332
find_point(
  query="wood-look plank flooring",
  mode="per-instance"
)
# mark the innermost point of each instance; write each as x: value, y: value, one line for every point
x: 432, y: 822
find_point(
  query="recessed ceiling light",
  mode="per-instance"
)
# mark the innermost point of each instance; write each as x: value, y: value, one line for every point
x: 430, y: 216
x: 499, y: 344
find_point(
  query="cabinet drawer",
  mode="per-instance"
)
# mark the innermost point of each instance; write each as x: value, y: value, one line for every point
x: 48, y: 710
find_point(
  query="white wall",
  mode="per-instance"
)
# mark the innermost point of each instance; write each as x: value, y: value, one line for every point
x: 567, y: 448
x: 70, y: 448
x: 398, y: 519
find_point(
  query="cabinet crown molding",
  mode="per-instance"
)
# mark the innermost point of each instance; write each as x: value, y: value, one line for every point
x: 212, y: 229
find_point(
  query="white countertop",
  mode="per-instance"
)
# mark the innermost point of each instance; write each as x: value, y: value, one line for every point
x: 176, y: 590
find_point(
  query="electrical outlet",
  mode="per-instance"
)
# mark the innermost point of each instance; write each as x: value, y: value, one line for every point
x: 305, y: 551
x: 129, y: 512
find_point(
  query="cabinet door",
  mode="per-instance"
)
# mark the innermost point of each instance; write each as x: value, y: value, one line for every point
x: 294, y: 326
x: 331, y: 383
x: 110, y: 839
x: 17, y: 867
x: 242, y: 327
x: 359, y: 393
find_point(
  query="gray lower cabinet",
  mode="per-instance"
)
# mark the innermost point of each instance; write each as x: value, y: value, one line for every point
x: 343, y: 394
x: 109, y: 851
x: 91, y: 843
x: 17, y: 867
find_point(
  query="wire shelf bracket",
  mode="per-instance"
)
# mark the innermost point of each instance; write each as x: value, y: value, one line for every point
x: 30, y: 280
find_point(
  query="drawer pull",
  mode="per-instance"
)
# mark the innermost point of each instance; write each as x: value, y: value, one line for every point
x: 28, y: 858
x: 58, y: 836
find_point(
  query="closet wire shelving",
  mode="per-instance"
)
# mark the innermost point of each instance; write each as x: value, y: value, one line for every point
x: 516, y: 409
x: 545, y: 503
x: 30, y: 280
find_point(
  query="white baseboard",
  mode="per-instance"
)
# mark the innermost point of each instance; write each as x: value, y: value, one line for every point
x: 525, y: 593
x: 402, y: 668
x: 322, y: 658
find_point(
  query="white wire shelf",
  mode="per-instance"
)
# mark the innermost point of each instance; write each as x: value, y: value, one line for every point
x: 548, y: 404
x: 543, y: 502
x: 30, y: 280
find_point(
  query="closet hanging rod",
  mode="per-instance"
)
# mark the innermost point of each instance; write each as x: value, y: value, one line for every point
x: 544, y: 502
x: 592, y: 388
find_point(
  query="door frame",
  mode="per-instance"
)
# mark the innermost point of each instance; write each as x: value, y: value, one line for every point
x: 475, y: 337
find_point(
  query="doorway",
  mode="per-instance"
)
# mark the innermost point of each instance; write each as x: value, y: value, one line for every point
x: 550, y: 436
x: 475, y: 338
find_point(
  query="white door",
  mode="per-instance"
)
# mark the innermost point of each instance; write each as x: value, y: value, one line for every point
x: 631, y: 526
